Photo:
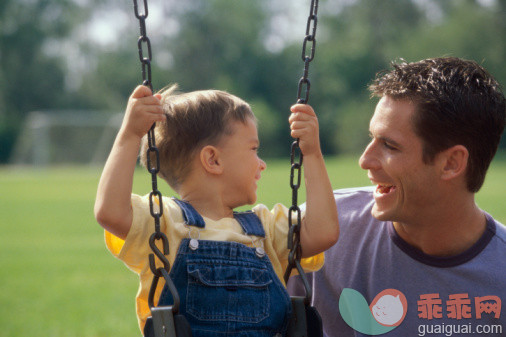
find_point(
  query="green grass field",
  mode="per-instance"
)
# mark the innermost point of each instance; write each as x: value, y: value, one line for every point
x: 58, y: 279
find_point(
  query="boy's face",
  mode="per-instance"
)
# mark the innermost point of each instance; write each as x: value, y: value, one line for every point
x: 242, y: 166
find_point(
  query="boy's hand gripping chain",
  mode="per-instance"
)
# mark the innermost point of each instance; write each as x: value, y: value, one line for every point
x: 163, y: 317
x: 305, y: 320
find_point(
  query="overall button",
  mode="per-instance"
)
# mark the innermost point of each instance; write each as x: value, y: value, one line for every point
x: 260, y: 252
x: 194, y: 244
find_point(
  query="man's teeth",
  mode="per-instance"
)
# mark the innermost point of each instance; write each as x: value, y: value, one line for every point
x: 384, y: 188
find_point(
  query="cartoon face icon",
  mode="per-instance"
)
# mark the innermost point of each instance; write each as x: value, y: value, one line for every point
x: 389, y: 307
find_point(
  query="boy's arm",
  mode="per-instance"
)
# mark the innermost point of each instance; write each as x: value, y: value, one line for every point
x: 320, y: 226
x: 113, y: 209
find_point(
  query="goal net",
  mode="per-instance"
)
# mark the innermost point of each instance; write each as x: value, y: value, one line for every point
x: 65, y: 137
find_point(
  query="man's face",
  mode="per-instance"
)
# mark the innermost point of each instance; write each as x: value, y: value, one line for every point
x: 405, y: 184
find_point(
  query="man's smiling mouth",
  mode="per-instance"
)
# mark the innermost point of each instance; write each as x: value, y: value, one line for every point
x: 384, y: 189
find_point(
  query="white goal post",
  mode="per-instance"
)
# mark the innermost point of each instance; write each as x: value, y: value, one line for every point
x: 65, y: 137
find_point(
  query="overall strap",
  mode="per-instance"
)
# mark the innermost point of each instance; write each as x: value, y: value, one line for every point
x: 250, y: 223
x: 190, y: 215
x: 248, y: 220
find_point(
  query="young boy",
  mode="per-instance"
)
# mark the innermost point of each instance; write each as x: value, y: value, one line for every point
x: 208, y: 145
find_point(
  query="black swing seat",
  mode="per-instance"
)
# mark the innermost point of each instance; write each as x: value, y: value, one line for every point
x: 305, y: 320
x: 163, y: 323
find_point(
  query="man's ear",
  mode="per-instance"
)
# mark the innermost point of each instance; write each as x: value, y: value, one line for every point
x: 454, y: 162
x: 210, y: 159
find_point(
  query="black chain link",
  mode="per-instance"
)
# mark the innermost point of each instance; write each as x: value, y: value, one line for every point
x: 153, y: 166
x: 144, y: 42
x: 295, y: 255
x: 311, y: 38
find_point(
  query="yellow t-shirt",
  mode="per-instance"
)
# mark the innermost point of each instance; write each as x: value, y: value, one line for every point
x: 134, y: 250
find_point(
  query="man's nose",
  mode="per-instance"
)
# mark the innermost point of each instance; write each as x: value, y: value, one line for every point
x: 369, y: 160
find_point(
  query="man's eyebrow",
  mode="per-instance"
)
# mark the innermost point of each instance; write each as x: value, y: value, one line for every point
x: 390, y: 141
x: 387, y: 140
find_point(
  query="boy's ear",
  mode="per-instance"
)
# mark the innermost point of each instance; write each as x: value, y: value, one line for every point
x: 454, y: 162
x: 210, y: 159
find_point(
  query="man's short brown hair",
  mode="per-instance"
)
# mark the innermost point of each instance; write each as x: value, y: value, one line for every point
x: 457, y: 102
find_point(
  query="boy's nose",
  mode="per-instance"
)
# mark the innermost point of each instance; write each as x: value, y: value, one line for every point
x: 263, y: 165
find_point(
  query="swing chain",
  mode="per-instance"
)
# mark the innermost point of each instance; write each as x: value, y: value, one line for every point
x: 310, y: 28
x: 144, y: 41
x: 296, y: 157
x: 153, y: 166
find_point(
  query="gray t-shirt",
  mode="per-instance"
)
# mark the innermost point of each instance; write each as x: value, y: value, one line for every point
x: 374, y: 283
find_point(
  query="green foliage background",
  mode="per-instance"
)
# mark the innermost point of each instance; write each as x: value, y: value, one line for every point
x: 49, y: 58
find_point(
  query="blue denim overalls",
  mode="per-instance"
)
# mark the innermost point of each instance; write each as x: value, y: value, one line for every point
x: 227, y: 288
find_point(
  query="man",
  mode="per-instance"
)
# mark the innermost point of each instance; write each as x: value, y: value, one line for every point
x: 416, y: 255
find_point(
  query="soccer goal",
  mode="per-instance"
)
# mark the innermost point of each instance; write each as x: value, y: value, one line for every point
x: 65, y: 137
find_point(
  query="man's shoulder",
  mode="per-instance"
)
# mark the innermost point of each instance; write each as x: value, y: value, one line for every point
x: 500, y: 230
x: 357, y: 195
x: 354, y: 203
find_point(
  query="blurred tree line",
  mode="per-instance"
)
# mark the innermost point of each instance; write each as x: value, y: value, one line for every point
x: 50, y: 57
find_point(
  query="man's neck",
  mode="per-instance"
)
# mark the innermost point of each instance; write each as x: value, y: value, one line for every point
x: 449, y: 232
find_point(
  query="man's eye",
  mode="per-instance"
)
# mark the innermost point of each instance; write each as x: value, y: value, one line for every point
x: 388, y: 146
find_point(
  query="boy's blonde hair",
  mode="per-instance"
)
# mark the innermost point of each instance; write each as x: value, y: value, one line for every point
x: 193, y: 120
